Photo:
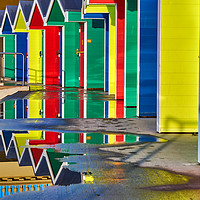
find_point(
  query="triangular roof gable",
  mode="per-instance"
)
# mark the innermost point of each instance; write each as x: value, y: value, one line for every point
x: 24, y: 10
x: 20, y: 140
x: 22, y: 15
x: 20, y: 24
x: 36, y: 18
x: 8, y: 19
x: 55, y: 7
x: 38, y: 13
x: 65, y: 7
x: 6, y: 26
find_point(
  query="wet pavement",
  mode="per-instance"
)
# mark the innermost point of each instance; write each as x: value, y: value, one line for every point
x: 77, y: 139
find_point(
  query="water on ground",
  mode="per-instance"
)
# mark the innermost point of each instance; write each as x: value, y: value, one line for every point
x: 44, y: 129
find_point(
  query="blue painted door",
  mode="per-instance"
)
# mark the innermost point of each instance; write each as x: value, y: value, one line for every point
x: 21, y: 44
x: 148, y: 58
x: 21, y: 108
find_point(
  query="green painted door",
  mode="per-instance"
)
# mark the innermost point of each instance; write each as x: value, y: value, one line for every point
x: 9, y: 63
x: 131, y: 58
x: 95, y: 53
x: 9, y: 110
x: 71, y: 58
x: 71, y: 138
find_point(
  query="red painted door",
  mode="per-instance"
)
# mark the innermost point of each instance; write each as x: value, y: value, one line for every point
x: 81, y: 54
x: 51, y: 56
x: 81, y: 75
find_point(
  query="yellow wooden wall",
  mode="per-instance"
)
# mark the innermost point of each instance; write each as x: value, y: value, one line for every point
x: 179, y: 66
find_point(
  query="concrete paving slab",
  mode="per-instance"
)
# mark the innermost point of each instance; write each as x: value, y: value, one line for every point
x: 9, y: 90
x: 178, y: 154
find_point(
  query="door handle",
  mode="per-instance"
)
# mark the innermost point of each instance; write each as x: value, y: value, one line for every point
x: 58, y: 53
x: 77, y: 52
x: 41, y: 54
x: 41, y: 112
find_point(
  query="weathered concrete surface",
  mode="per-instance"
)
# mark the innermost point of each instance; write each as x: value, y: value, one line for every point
x: 134, y: 125
x: 9, y: 90
x: 179, y: 154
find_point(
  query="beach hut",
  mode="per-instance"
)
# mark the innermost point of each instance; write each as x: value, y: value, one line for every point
x: 178, y: 66
x: 90, y: 50
x: 120, y: 37
x: 50, y: 69
x: 111, y: 10
x: 8, y: 41
x: 130, y: 94
x: 6, y: 45
x: 147, y: 62
x: 34, y: 42
x: 113, y: 107
x: 51, y: 57
x: 69, y: 65
x: 34, y: 61
x: 20, y: 43
x: 12, y: 109
x: 85, y: 71
x: 51, y: 41
x: 79, y: 67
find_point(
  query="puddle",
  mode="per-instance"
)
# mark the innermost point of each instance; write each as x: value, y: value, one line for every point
x: 54, y: 136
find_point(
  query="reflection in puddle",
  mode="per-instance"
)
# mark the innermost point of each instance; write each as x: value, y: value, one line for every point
x: 39, y: 134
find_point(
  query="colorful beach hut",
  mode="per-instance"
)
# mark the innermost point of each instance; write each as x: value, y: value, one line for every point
x: 8, y: 41
x: 115, y: 109
x: 12, y: 70
x: 83, y: 58
x: 51, y: 46
x: 51, y: 41
x: 120, y: 37
x: 111, y: 11
x: 20, y: 45
x: 86, y: 65
x: 178, y: 66
x: 34, y: 42
x: 50, y: 68
x: 34, y: 49
x: 69, y: 61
